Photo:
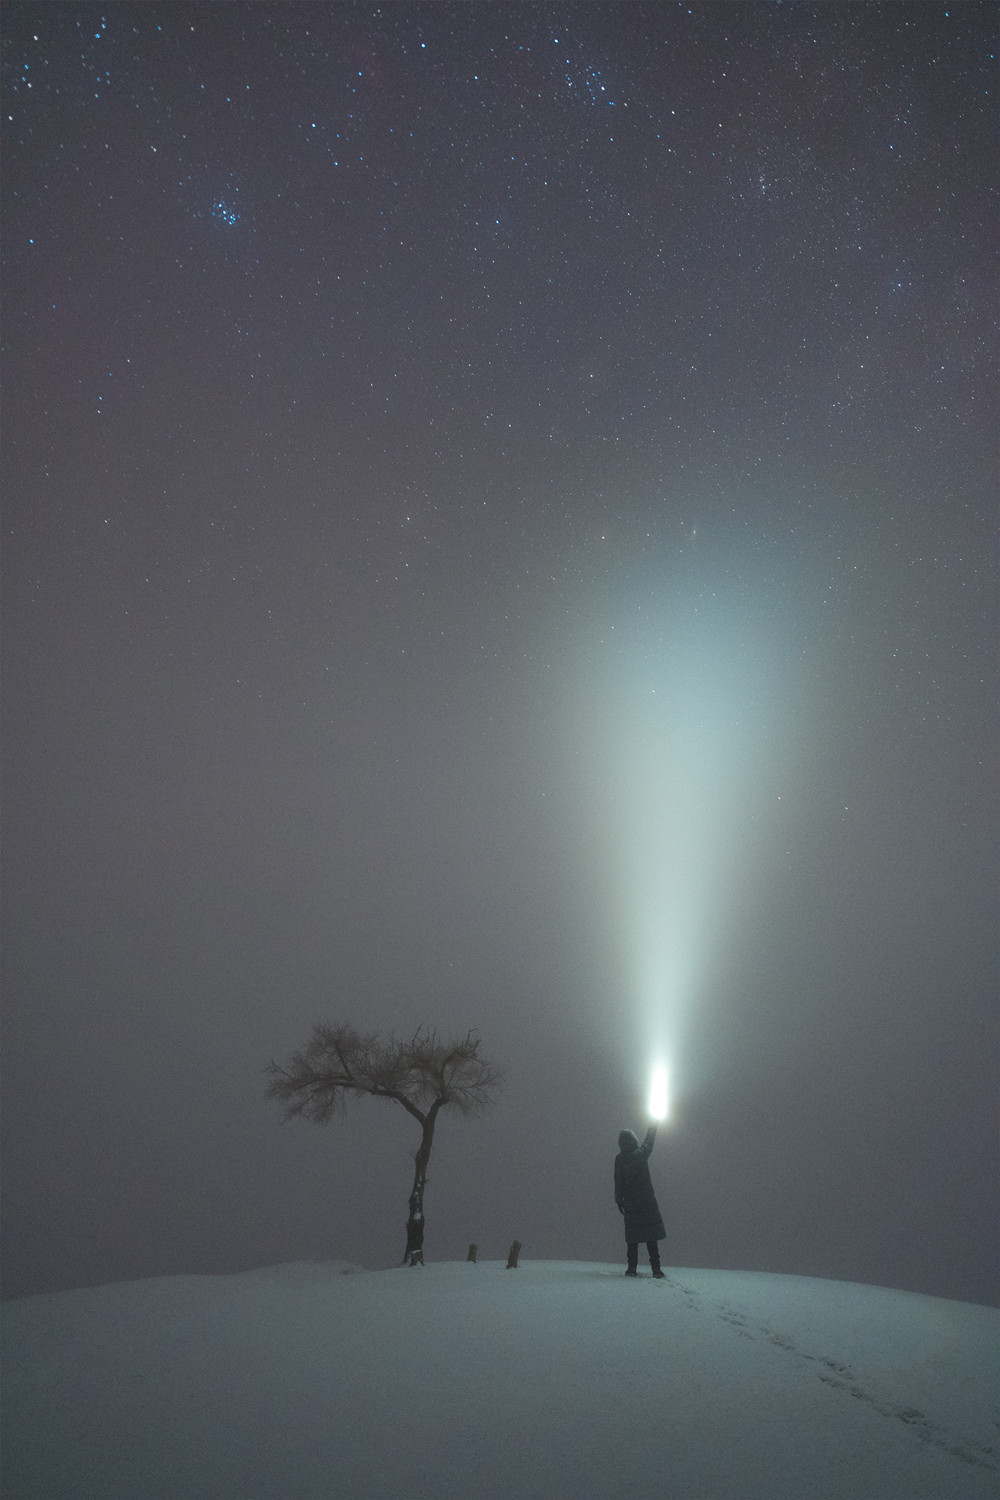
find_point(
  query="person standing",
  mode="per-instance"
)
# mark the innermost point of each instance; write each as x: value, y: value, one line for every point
x: 636, y: 1200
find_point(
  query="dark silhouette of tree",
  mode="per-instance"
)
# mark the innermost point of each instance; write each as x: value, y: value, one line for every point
x: 424, y: 1075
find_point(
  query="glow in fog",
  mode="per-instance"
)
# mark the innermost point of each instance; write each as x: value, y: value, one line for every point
x: 685, y: 709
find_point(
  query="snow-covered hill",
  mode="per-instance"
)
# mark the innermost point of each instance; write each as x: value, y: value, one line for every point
x: 560, y: 1380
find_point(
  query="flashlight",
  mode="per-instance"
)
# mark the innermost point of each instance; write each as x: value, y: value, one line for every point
x: 659, y: 1094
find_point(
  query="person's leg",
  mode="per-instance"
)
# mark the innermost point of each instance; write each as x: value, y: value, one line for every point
x: 654, y: 1257
x: 632, y: 1269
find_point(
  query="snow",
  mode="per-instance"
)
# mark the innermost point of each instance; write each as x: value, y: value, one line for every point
x: 560, y: 1379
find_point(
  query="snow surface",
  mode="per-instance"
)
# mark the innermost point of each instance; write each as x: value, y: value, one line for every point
x: 560, y: 1379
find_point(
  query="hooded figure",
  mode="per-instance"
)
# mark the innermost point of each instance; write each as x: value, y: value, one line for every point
x: 636, y: 1200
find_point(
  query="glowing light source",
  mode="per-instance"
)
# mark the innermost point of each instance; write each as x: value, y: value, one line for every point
x: 659, y: 1094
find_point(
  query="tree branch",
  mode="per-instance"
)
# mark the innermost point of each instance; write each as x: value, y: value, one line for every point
x: 339, y: 1061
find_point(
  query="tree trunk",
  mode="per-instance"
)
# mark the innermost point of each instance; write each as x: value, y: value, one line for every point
x: 414, y: 1255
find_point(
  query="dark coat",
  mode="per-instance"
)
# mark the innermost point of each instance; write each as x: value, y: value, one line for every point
x: 634, y: 1191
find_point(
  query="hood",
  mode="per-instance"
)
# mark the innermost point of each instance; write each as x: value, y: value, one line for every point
x: 628, y: 1140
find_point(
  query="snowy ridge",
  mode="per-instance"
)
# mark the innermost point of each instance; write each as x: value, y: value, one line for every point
x: 561, y: 1380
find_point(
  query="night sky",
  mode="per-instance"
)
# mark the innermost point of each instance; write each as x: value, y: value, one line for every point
x: 498, y: 534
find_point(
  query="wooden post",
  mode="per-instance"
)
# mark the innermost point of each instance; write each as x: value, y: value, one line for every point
x: 515, y: 1251
x: 472, y: 1252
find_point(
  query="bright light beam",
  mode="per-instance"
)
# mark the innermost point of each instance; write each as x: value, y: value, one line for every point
x: 659, y: 1094
x: 676, y: 713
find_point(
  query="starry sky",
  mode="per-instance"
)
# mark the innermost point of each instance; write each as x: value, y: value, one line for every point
x: 497, y: 535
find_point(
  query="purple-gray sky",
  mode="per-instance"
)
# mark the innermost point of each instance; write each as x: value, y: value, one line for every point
x: 497, y: 535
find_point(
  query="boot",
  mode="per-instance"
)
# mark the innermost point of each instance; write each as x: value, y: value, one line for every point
x: 632, y: 1269
x: 654, y: 1259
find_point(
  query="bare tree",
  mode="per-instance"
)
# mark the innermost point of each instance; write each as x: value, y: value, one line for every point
x: 424, y: 1075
